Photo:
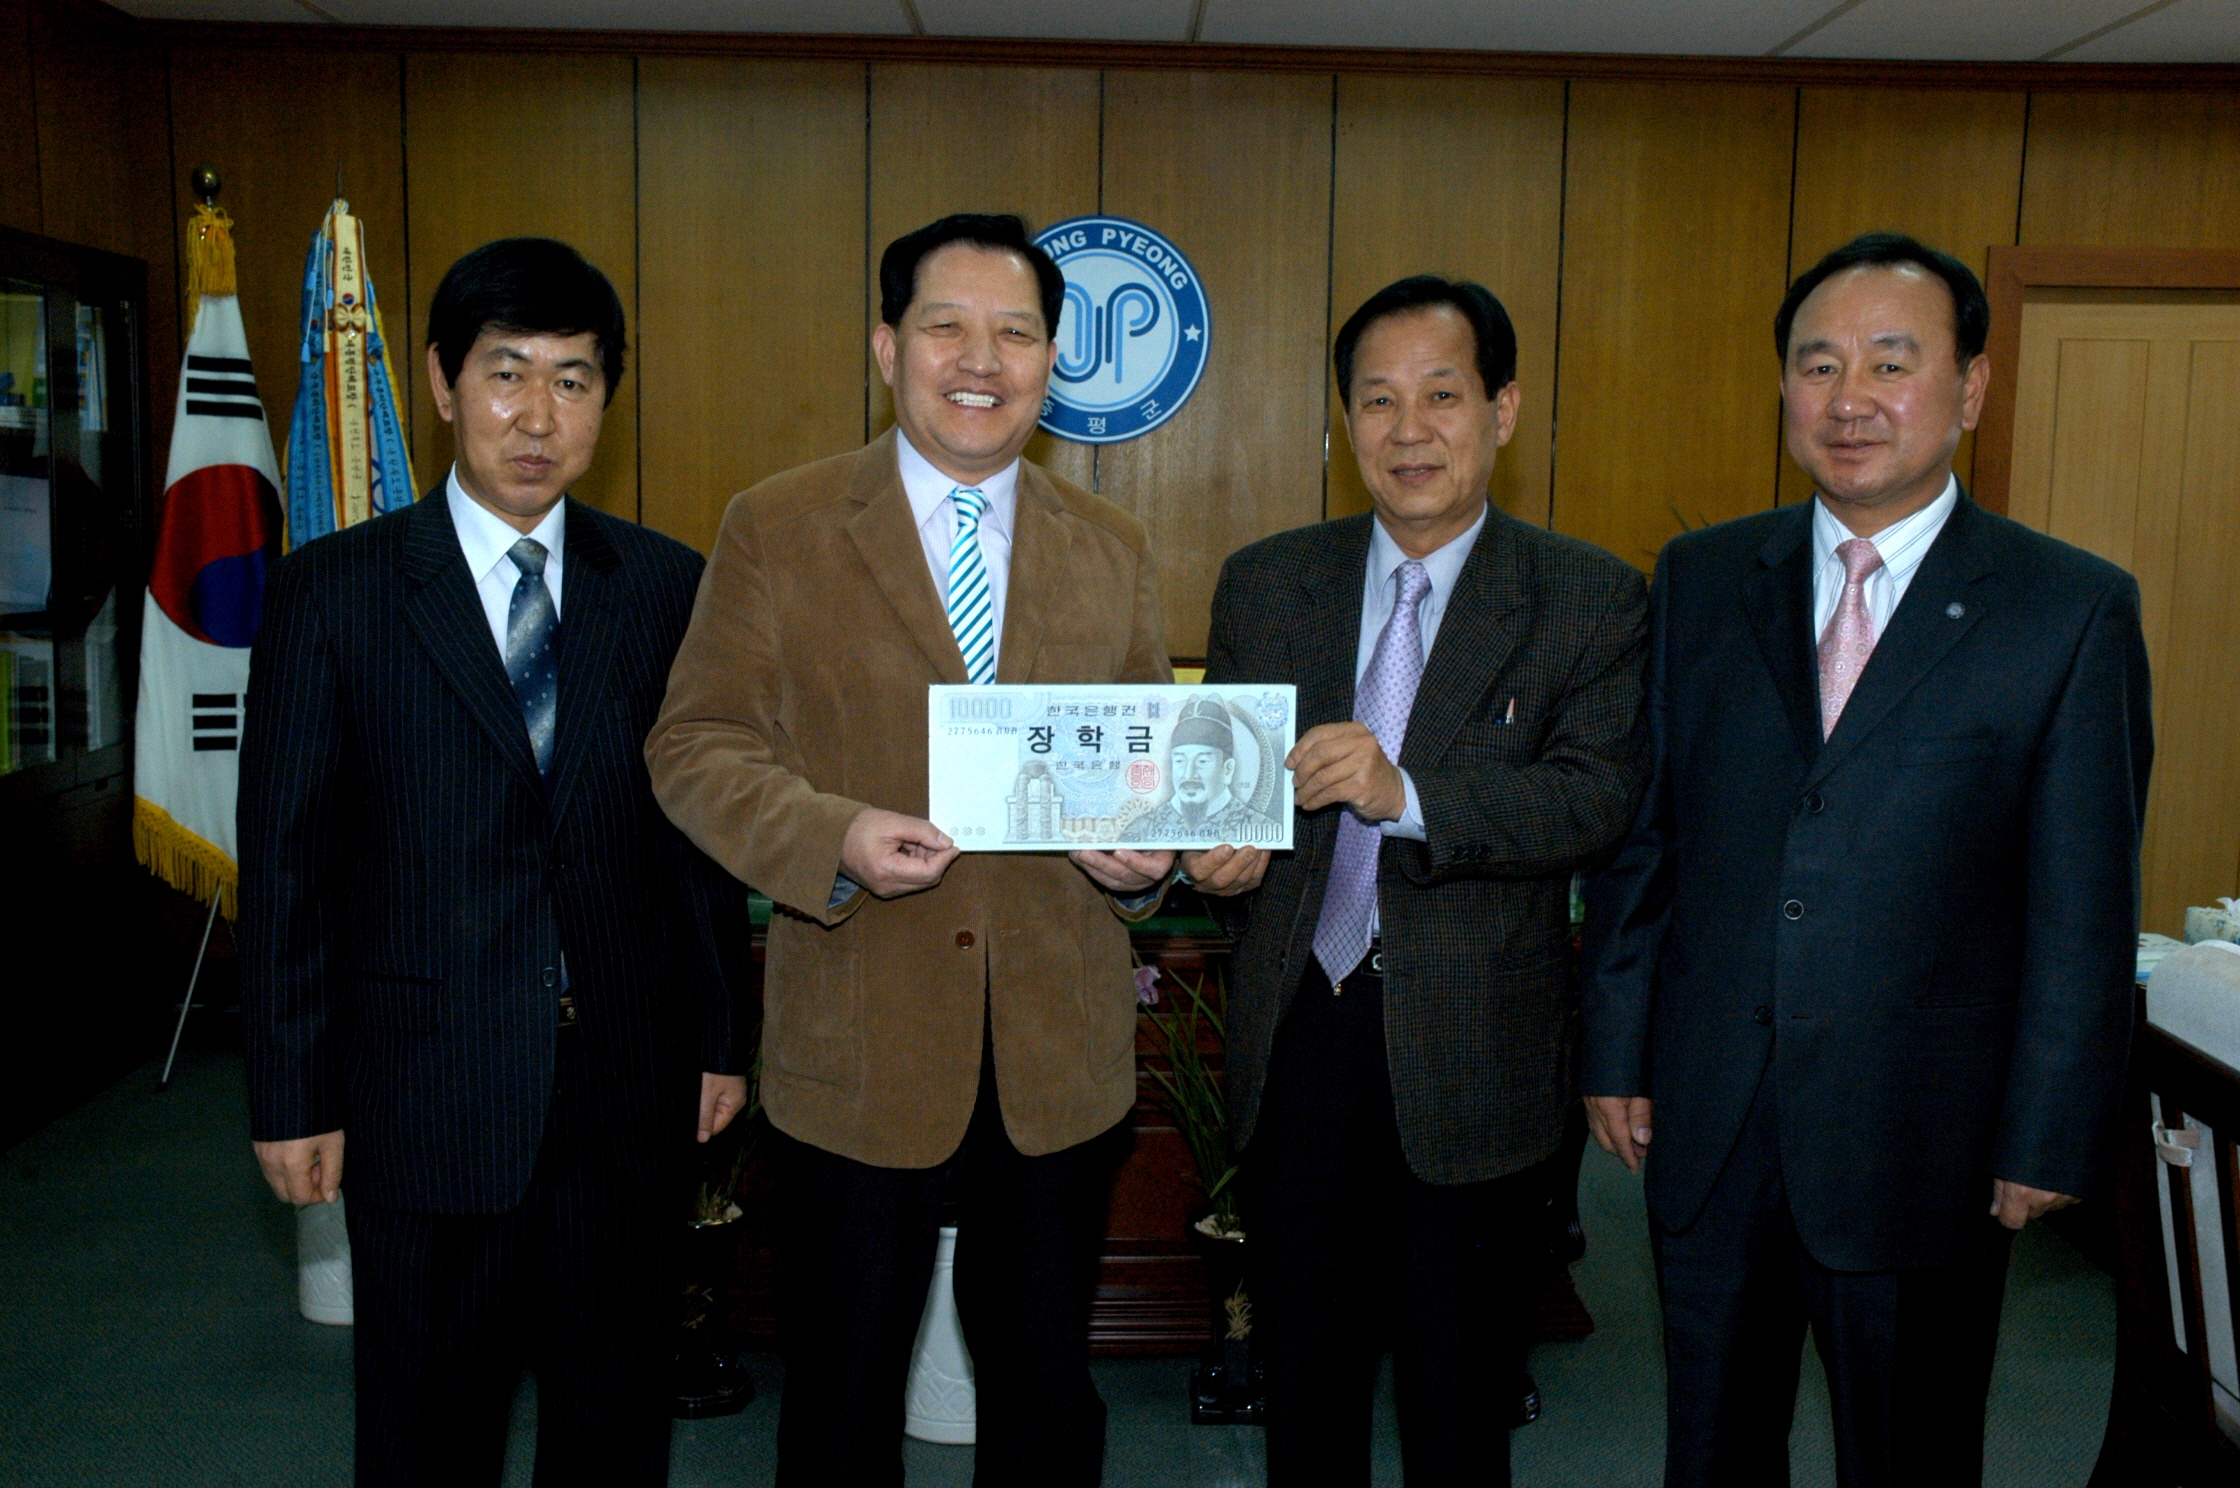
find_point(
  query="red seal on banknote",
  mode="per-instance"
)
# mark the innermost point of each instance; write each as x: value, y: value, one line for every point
x: 1143, y: 777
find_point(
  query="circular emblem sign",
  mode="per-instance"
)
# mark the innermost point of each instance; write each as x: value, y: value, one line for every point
x: 1132, y: 339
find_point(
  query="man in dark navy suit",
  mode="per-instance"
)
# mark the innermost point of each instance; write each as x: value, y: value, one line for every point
x: 1863, y: 968
x: 470, y: 939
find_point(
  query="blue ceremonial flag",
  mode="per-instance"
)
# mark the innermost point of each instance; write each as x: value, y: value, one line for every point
x: 347, y: 459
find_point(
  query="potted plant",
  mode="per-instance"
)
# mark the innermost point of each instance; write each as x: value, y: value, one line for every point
x: 1227, y: 1388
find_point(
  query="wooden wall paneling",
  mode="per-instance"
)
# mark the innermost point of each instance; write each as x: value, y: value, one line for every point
x: 1499, y: 147
x: 2133, y: 170
x: 522, y: 144
x: 2121, y: 447
x: 2197, y: 768
x: 1235, y: 170
x: 344, y: 120
x: 19, y: 121
x: 977, y: 139
x: 1943, y: 166
x: 105, y: 166
x: 1676, y: 225
x: 750, y: 210
x: 898, y: 45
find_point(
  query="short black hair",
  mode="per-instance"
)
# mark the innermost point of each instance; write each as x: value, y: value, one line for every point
x: 1971, y: 310
x: 999, y: 232
x: 1489, y: 325
x: 525, y: 286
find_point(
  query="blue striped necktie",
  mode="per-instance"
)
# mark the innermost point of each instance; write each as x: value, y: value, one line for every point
x: 972, y: 611
x: 533, y: 648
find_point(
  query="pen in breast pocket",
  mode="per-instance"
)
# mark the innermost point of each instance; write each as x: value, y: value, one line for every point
x: 1512, y: 718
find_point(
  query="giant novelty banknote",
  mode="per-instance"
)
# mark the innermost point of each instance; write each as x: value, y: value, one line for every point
x: 1047, y: 769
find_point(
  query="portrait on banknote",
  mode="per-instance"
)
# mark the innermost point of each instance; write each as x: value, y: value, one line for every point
x: 1042, y: 769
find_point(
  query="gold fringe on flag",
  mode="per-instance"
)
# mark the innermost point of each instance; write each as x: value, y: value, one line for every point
x: 209, y: 258
x: 187, y: 862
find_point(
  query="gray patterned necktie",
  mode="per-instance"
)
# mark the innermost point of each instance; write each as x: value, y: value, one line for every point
x: 1383, y: 701
x: 533, y: 648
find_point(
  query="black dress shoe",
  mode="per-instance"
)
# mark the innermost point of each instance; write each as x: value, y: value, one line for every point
x: 1527, y: 1409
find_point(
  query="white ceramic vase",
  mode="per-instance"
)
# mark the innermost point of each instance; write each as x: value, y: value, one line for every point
x: 938, y: 1402
x: 323, y: 1264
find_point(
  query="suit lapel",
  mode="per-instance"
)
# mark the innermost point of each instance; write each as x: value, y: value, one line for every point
x: 887, y: 537
x: 1329, y: 634
x: 1038, y: 568
x: 1482, y: 623
x: 1325, y: 643
x: 1922, y: 629
x: 443, y: 609
x: 589, y: 632
x: 1778, y: 600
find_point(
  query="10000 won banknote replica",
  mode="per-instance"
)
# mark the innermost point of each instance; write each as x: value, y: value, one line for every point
x: 1049, y: 769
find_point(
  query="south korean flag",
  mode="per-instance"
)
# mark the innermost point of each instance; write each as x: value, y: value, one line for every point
x: 220, y: 534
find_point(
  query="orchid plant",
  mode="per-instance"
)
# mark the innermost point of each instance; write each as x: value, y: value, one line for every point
x: 1189, y: 1088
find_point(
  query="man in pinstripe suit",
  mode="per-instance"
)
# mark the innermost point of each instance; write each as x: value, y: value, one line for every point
x: 1401, y: 1022
x: 470, y: 940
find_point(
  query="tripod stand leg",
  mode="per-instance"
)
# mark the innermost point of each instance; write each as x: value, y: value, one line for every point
x: 186, y: 1006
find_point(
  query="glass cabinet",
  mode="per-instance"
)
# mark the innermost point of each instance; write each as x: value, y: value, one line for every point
x: 74, y: 508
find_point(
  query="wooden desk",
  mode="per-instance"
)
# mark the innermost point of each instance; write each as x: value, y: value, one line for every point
x: 2162, y: 1423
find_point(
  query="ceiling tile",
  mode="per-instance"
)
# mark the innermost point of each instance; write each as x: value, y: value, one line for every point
x: 831, y: 17
x: 1108, y: 20
x: 1960, y: 30
x: 2190, y: 31
x: 1679, y: 27
x: 221, y: 10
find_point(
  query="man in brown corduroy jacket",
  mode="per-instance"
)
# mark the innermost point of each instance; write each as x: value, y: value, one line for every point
x: 930, y: 1019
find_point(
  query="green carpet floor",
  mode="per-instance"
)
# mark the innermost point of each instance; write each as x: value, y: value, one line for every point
x: 148, y: 1333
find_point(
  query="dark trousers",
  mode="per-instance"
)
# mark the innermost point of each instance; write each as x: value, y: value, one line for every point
x: 1349, y: 1248
x: 855, y: 1258
x: 1908, y: 1353
x: 576, y: 1282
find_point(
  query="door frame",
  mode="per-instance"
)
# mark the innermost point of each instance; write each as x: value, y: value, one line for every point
x: 2015, y: 273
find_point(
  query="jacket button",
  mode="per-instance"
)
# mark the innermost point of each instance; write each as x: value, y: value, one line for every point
x: 1763, y: 1015
x: 1793, y: 909
x: 1814, y: 805
x: 552, y: 976
x: 964, y: 940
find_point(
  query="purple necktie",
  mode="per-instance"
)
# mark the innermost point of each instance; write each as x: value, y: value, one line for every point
x: 1383, y: 701
x: 1849, y: 639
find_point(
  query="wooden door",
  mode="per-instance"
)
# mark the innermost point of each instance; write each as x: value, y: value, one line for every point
x: 2126, y: 442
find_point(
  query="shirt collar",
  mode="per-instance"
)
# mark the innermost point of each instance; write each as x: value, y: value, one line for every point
x: 1902, y: 544
x: 487, y: 538
x: 927, y: 487
x: 1443, y: 564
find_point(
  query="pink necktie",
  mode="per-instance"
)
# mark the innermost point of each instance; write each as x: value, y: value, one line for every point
x: 1849, y: 639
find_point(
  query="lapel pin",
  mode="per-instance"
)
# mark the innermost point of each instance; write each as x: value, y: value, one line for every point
x: 1512, y: 718
x: 1955, y: 610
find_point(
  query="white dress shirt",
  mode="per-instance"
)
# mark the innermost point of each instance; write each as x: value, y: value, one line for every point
x: 1902, y: 545
x: 933, y: 508
x: 487, y: 538
x: 1380, y: 594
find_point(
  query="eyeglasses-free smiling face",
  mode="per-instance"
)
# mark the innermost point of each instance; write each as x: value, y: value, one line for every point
x: 969, y: 361
x: 1425, y: 430
x: 1874, y: 398
x: 525, y: 416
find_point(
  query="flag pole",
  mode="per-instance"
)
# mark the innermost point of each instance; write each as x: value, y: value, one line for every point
x: 187, y: 1006
x: 204, y: 182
